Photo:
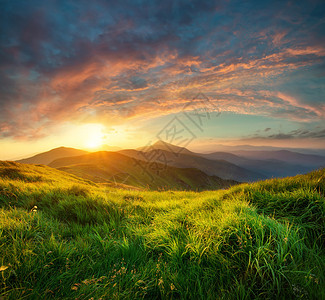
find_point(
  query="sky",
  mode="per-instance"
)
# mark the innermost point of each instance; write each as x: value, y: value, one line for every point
x: 194, y: 73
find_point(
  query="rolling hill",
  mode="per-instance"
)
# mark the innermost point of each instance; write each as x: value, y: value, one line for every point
x: 64, y: 237
x: 106, y: 167
x: 183, y: 158
x: 47, y: 157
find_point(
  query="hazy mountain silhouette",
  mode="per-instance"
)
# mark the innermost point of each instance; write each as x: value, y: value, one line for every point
x: 183, y: 158
x: 167, y: 147
x: 239, y: 165
x: 267, y: 167
x: 108, y: 167
x: 236, y: 148
x: 46, y: 157
x: 286, y: 156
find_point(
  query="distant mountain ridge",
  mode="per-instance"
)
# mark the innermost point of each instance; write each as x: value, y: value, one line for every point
x: 183, y: 158
x: 268, y: 167
x: 239, y: 165
x: 265, y: 163
x: 106, y: 167
x: 233, y: 149
x: 285, y: 155
x: 47, y: 157
x: 160, y: 145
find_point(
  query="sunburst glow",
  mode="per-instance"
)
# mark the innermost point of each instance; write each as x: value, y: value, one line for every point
x: 93, y: 135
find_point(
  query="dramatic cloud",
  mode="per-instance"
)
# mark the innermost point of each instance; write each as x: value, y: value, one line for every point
x: 113, y: 61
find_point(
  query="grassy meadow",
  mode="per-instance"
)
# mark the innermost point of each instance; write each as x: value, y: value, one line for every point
x: 62, y: 237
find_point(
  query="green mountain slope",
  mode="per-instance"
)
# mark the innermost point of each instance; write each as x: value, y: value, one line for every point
x: 106, y: 166
x: 68, y: 238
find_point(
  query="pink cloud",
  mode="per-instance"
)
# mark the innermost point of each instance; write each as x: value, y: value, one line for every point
x: 86, y: 90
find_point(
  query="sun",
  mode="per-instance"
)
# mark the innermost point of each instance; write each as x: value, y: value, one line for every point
x: 93, y: 136
x: 94, y: 141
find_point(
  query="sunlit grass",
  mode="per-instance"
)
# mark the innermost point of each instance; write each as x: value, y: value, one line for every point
x: 67, y: 238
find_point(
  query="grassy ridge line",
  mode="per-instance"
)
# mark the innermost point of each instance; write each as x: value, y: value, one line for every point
x: 299, y: 200
x: 86, y: 241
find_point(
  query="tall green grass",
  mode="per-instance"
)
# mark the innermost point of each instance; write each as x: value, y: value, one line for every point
x: 63, y: 237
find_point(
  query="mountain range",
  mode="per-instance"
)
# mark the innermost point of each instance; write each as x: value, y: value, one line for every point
x: 183, y: 158
x: 108, y: 167
x: 164, y: 165
x: 268, y: 166
x: 233, y: 149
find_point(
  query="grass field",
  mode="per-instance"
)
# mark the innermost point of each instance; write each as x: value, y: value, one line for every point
x: 68, y: 238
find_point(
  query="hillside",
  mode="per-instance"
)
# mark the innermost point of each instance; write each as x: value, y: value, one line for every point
x: 67, y: 238
x: 183, y: 159
x: 47, y: 157
x: 106, y: 167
